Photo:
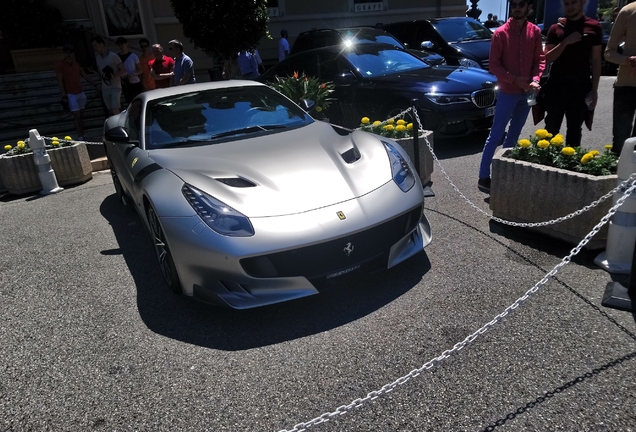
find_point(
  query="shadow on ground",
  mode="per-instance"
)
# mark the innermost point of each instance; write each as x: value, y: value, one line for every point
x: 181, y: 318
x: 447, y: 148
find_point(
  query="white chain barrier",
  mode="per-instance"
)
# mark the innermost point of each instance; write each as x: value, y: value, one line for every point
x: 344, y: 409
x: 628, y: 187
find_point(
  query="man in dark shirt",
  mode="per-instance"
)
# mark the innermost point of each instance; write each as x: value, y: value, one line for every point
x: 574, y: 48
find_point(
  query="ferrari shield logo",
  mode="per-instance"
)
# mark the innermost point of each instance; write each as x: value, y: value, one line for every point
x: 133, y: 162
x: 341, y: 215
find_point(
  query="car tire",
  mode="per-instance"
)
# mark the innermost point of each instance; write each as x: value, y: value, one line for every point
x: 119, y: 190
x: 166, y: 263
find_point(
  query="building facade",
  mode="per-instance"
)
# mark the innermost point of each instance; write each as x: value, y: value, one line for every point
x: 155, y: 20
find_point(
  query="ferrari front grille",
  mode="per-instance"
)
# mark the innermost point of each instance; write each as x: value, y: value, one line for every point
x: 325, y: 258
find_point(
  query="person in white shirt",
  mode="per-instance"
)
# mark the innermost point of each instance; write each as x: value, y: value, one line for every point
x: 111, y: 68
x: 131, y: 82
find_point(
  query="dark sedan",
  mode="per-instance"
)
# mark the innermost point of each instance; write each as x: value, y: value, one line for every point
x: 378, y: 81
x: 461, y: 41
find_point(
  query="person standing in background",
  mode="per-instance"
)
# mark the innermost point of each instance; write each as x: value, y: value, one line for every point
x: 130, y: 83
x: 574, y: 49
x: 68, y: 73
x: 283, y: 45
x: 516, y: 59
x: 624, y: 30
x: 161, y: 67
x: 110, y: 68
x: 147, y: 82
x: 183, y: 65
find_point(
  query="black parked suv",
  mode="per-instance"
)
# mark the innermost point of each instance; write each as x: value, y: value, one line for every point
x: 461, y: 41
x: 319, y: 38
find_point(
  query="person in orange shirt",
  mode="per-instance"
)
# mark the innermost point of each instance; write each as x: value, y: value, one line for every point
x: 146, y: 55
x: 68, y: 73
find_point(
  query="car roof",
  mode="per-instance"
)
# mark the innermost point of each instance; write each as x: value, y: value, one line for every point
x: 433, y: 20
x: 189, y: 88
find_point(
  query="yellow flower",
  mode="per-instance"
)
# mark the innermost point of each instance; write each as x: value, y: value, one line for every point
x: 557, y: 140
x: 68, y: 138
x: 365, y: 120
x: 401, y: 122
x: 541, y: 133
x: 318, y: 109
x: 409, y: 126
x: 524, y: 143
x: 377, y: 123
x: 21, y: 144
x: 549, y: 135
x: 608, y: 146
x: 54, y: 139
x: 389, y: 127
x: 586, y: 158
x: 390, y: 121
x: 400, y: 128
x: 568, y: 151
x: 595, y: 153
x: 7, y: 147
x: 543, y: 144
x: 55, y: 143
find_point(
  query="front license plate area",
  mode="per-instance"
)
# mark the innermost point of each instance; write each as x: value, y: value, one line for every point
x: 489, y: 112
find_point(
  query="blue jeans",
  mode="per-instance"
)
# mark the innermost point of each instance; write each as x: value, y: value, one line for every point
x: 624, y: 110
x: 510, y: 108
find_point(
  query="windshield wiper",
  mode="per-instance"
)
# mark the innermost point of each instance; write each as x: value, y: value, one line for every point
x: 246, y: 130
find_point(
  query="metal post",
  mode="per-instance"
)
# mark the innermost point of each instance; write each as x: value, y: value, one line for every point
x: 43, y: 162
x: 416, y: 141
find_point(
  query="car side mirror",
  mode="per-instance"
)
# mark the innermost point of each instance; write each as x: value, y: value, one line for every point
x: 117, y: 134
x: 307, y: 104
x: 427, y: 45
x: 344, y: 77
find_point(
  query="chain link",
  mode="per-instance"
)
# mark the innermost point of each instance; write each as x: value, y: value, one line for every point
x: 73, y: 141
x: 590, y: 206
x: 343, y: 409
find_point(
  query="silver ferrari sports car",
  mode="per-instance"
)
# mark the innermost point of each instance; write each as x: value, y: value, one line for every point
x: 250, y: 201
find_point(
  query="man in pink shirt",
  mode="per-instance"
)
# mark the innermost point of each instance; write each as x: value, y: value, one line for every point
x: 517, y: 60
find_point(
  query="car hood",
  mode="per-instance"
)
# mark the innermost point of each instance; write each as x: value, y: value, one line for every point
x: 445, y: 79
x: 476, y: 49
x: 282, y: 173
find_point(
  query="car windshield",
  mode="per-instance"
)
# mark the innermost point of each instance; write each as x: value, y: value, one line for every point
x: 367, y: 37
x: 209, y: 115
x: 460, y: 30
x: 383, y: 62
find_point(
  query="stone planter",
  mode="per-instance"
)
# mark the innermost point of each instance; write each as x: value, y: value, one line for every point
x: 19, y: 174
x: 528, y: 192
x: 36, y: 59
x: 426, y: 158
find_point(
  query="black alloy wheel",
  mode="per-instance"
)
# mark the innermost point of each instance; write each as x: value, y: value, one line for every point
x: 166, y: 263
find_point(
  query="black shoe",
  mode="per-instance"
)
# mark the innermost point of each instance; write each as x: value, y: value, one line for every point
x: 484, y: 184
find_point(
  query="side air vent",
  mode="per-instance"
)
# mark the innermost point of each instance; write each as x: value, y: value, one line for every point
x: 351, y: 155
x: 237, y: 182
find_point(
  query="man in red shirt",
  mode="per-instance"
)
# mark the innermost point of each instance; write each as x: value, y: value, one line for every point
x: 161, y: 68
x: 574, y: 47
x: 516, y: 59
x: 68, y: 73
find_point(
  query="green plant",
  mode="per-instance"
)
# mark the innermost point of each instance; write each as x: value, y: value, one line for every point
x: 22, y: 147
x: 545, y: 149
x: 222, y: 28
x: 298, y: 87
x: 31, y: 24
x: 390, y: 128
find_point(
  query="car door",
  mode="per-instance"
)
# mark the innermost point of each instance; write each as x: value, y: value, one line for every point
x: 129, y: 158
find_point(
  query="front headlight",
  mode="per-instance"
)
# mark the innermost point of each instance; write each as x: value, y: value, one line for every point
x: 469, y: 63
x: 400, y: 169
x: 222, y: 218
x: 446, y: 99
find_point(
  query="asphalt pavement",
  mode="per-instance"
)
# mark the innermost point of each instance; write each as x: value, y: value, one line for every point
x: 91, y: 338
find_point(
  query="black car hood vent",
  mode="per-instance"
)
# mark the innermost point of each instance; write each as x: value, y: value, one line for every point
x: 351, y: 155
x: 237, y: 182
